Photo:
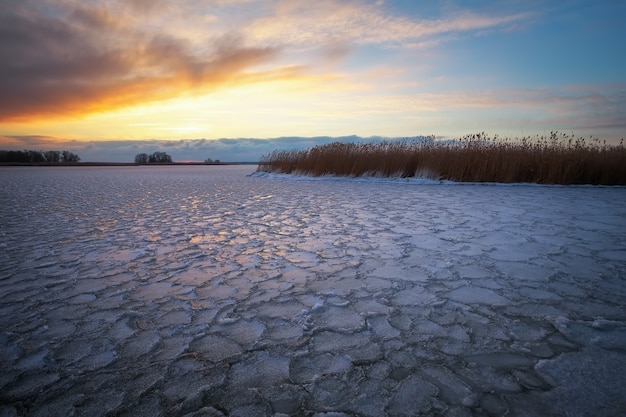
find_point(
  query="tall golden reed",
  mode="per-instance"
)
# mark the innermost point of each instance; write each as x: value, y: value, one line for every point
x: 555, y: 159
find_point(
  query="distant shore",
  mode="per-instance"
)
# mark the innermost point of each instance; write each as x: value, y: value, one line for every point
x: 120, y: 164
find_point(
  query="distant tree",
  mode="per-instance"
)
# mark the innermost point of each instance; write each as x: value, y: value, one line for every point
x: 159, y: 158
x: 208, y: 161
x: 141, y: 158
x: 52, y: 156
x: 30, y: 156
x: 17, y: 156
x: 153, y: 158
x: 34, y: 156
x: 164, y: 158
x: 14, y: 156
x: 67, y: 156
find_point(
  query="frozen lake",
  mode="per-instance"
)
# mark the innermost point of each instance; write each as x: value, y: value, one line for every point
x: 201, y: 291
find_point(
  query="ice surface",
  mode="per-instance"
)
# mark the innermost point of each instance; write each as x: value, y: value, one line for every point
x: 201, y: 291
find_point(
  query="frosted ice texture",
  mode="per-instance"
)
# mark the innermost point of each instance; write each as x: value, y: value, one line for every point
x: 200, y: 291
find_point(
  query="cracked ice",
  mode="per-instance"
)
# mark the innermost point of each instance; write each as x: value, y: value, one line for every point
x: 203, y: 291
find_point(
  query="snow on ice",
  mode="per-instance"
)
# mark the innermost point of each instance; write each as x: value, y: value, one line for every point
x: 204, y: 291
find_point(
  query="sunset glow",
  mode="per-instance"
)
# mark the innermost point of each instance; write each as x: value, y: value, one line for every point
x: 75, y: 72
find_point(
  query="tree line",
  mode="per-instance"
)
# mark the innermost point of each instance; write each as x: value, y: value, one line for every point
x: 154, y: 158
x: 30, y: 156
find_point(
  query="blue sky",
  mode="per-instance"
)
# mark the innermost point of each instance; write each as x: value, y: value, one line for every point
x: 108, y: 78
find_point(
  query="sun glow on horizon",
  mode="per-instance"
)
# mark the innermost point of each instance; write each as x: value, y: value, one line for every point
x: 102, y: 71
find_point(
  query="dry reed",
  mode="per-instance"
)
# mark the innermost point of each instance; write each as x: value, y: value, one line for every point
x: 555, y: 159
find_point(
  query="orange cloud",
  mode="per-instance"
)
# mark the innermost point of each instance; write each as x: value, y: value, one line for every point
x: 68, y: 58
x: 89, y: 62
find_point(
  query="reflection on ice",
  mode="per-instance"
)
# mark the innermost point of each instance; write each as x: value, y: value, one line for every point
x: 202, y: 291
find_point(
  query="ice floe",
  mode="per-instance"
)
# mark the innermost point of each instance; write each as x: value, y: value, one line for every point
x: 206, y: 291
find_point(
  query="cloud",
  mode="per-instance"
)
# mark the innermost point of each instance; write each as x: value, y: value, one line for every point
x: 33, y: 142
x: 86, y: 60
x: 305, y: 24
x: 226, y: 150
x: 587, y: 99
x: 69, y: 58
x: 144, y: 6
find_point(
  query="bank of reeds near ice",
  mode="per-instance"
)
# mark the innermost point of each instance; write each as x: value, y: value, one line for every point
x: 555, y: 159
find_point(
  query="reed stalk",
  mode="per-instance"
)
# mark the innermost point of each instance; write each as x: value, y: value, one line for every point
x: 554, y: 159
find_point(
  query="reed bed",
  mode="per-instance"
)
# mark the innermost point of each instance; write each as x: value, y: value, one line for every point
x: 554, y: 159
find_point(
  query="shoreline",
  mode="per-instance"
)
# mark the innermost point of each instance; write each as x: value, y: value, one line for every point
x: 105, y: 164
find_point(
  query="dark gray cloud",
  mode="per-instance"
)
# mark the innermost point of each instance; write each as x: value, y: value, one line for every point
x: 80, y: 59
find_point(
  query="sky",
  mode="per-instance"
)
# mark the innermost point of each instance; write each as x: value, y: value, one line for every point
x: 234, y: 79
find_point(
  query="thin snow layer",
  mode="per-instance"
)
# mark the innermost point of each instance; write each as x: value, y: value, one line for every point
x: 201, y: 291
